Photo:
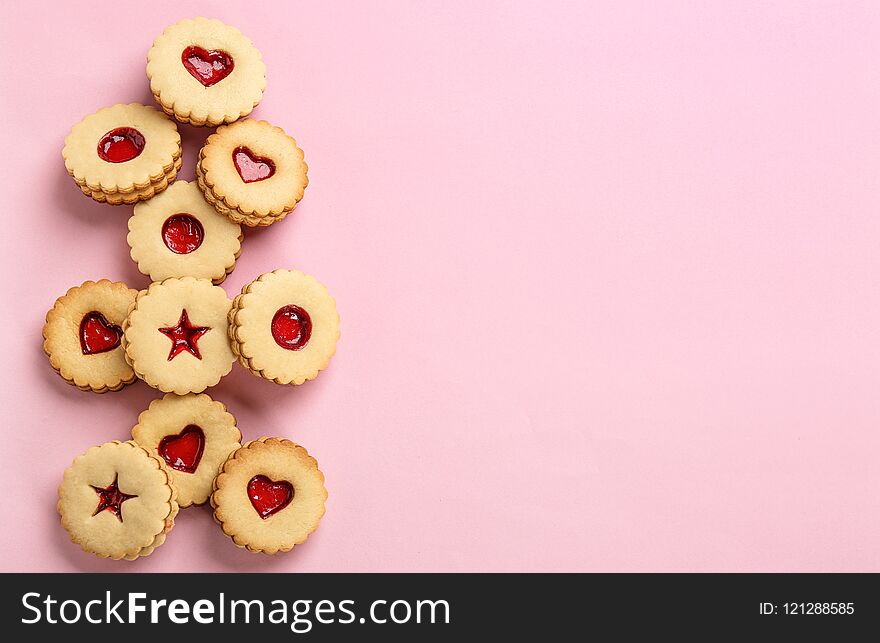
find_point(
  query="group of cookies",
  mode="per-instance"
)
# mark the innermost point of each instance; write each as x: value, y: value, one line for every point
x: 182, y: 334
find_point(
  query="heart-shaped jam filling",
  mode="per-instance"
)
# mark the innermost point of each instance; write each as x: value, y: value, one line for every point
x: 121, y: 144
x: 207, y: 67
x: 97, y: 335
x: 184, y: 337
x: 251, y: 168
x: 268, y: 496
x: 291, y: 327
x: 182, y: 233
x: 183, y: 451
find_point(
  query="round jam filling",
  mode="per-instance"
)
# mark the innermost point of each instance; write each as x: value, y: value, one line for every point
x: 291, y: 327
x: 183, y: 451
x: 251, y: 168
x: 207, y: 67
x: 121, y: 144
x: 182, y: 233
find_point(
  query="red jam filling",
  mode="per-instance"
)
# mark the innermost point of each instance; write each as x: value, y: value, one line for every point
x: 184, y: 337
x: 251, y: 168
x: 183, y: 451
x: 97, y: 335
x: 111, y: 499
x: 268, y: 496
x: 182, y: 233
x: 207, y: 67
x: 121, y: 144
x: 291, y: 327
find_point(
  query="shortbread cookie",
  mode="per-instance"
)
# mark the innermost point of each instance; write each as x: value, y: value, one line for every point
x: 284, y: 327
x: 204, y: 72
x: 194, y: 435
x: 117, y: 501
x: 252, y: 172
x: 269, y: 495
x: 131, y: 150
x: 175, y: 337
x: 251, y: 221
x: 156, y: 186
x: 127, y: 198
x: 83, y: 332
x: 178, y: 234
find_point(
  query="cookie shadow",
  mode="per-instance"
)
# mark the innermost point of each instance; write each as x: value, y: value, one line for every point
x: 66, y: 191
x: 264, y: 408
x: 192, y: 139
x: 268, y: 241
x: 241, y: 389
x: 136, y: 397
x: 99, y: 217
x: 232, y: 558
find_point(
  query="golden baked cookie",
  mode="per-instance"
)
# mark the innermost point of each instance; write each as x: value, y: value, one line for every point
x: 284, y: 327
x: 204, y: 72
x: 83, y: 332
x: 194, y: 435
x: 127, y: 198
x: 269, y: 495
x: 117, y: 501
x: 123, y: 153
x: 252, y: 172
x: 178, y: 234
x: 175, y: 337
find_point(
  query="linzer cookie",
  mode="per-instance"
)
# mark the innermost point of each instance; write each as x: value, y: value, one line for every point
x: 178, y: 234
x: 269, y: 495
x: 252, y: 172
x: 204, y: 72
x: 175, y: 337
x: 123, y: 154
x: 83, y: 332
x: 121, y: 198
x: 284, y: 327
x: 194, y: 435
x: 117, y: 501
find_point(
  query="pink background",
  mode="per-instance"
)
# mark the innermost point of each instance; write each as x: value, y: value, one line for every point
x: 608, y: 279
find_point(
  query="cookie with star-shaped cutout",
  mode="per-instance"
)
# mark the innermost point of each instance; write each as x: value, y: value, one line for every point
x: 176, y: 335
x: 117, y: 501
x: 194, y: 435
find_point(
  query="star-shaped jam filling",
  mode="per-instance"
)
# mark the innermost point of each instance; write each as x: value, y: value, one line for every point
x: 184, y: 337
x: 111, y: 499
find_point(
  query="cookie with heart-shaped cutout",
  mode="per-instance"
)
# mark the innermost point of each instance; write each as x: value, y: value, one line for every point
x: 123, y: 154
x: 269, y: 495
x: 194, y: 435
x: 176, y: 335
x: 204, y: 72
x: 284, y: 327
x: 179, y: 234
x: 117, y: 501
x: 83, y: 334
x: 252, y: 172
